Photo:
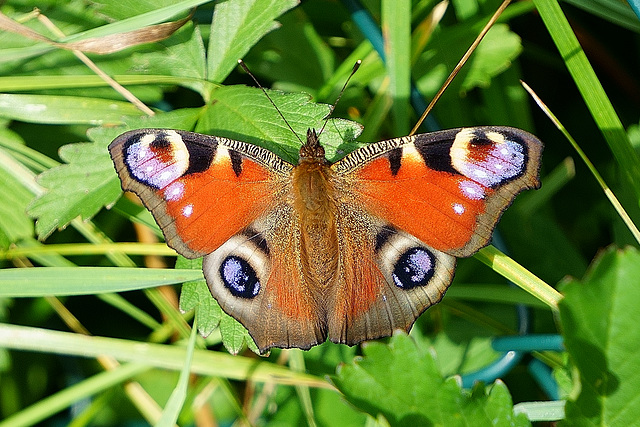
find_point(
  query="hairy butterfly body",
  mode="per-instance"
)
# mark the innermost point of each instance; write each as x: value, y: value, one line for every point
x: 347, y: 251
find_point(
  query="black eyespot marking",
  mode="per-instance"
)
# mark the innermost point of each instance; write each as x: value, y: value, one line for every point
x: 414, y: 268
x: 239, y: 277
x: 436, y: 155
x: 258, y: 239
x: 200, y: 156
x: 383, y: 236
x: 395, y: 160
x: 480, y: 138
x: 160, y: 142
x: 236, y: 162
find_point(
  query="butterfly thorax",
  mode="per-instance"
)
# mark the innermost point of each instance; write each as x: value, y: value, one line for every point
x: 315, y: 205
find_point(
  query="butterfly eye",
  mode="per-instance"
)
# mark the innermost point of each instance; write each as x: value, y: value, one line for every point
x: 414, y: 268
x: 239, y: 277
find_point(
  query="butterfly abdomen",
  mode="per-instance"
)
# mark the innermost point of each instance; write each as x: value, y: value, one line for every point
x: 315, y: 206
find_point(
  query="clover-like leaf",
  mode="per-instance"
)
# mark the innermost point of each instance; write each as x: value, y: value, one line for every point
x: 402, y: 383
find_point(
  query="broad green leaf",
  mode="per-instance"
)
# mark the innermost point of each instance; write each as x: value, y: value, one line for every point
x: 314, y: 60
x: 52, y: 109
x: 403, y: 384
x: 495, y: 53
x: 195, y: 295
x: 600, y: 318
x: 465, y: 346
x: 81, y: 187
x: 238, y: 25
x: 234, y: 335
x: 245, y: 114
x: 182, y: 55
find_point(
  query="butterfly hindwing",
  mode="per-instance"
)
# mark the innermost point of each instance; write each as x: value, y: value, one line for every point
x: 446, y: 188
x: 383, y: 281
x: 256, y: 277
x: 200, y: 189
x: 386, y: 278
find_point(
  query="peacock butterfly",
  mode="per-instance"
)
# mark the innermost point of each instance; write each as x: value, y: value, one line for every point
x: 347, y: 251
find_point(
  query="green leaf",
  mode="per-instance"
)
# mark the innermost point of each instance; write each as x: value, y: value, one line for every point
x: 600, y: 318
x: 314, y: 60
x: 234, y: 335
x: 43, y: 281
x: 15, y: 224
x: 495, y: 54
x: 81, y: 187
x: 236, y: 27
x: 182, y: 55
x: 195, y: 295
x: 396, y: 30
x: 499, y: 48
x: 53, y: 109
x: 245, y: 114
x: 402, y: 383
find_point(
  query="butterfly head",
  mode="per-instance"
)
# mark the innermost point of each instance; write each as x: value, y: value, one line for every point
x: 311, y: 151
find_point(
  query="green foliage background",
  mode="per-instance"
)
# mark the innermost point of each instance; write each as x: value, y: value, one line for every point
x: 56, y: 237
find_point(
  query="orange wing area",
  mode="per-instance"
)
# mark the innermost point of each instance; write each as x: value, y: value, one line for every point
x: 200, y: 189
x: 421, y: 202
x: 283, y: 311
x: 368, y: 302
x: 216, y: 204
x: 446, y: 188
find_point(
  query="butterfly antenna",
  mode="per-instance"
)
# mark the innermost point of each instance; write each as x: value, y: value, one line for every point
x: 463, y: 60
x: 344, y: 87
x: 246, y: 69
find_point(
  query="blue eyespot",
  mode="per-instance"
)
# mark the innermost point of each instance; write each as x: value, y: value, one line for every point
x: 239, y: 277
x: 414, y: 268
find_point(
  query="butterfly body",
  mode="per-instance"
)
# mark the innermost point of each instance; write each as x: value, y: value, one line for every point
x: 347, y: 251
x: 315, y: 206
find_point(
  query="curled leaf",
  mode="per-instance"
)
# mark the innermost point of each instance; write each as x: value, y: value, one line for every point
x: 101, y: 45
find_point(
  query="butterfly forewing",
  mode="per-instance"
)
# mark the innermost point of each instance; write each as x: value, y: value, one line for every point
x: 447, y: 188
x: 201, y: 189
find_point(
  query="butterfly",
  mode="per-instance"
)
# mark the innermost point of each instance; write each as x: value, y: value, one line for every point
x: 346, y: 251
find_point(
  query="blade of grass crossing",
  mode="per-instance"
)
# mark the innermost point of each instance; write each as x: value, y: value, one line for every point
x: 591, y: 90
x: 179, y: 394
x: 396, y: 31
